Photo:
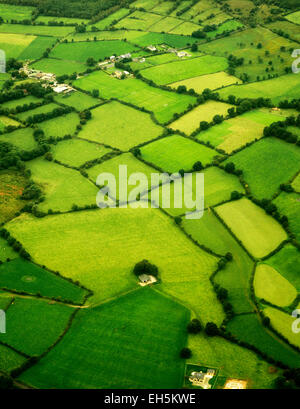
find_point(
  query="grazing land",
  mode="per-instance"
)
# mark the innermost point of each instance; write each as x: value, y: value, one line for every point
x: 289, y: 205
x: 56, y: 67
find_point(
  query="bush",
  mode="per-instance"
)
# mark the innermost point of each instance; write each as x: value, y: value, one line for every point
x: 211, y: 329
x: 194, y: 327
x: 145, y: 267
x: 185, y: 353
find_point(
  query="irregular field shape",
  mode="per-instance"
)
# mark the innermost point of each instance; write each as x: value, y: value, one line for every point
x: 43, y: 109
x: 21, y: 138
x: 294, y: 17
x: 12, y: 184
x: 14, y: 44
x: 9, y: 12
x: 107, y: 21
x: 78, y: 100
x: 258, y: 232
x: 65, y: 20
x: 185, y: 28
x: 120, y: 126
x: 36, y: 30
x: 289, y: 205
x: 9, y: 359
x: 282, y: 323
x: 165, y: 24
x: 138, y: 20
x: 58, y: 67
x: 6, y: 251
x: 6, y: 121
x: 37, y: 47
x: 20, y: 102
x: 60, y: 126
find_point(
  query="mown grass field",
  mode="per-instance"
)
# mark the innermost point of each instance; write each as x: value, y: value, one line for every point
x: 36, y: 30
x: 23, y: 276
x: 165, y: 25
x: 282, y: 323
x: 249, y: 329
x: 176, y: 152
x: 271, y: 286
x: 27, y: 332
x: 289, y: 205
x: 184, y: 28
x: 14, y: 44
x: 58, y: 67
x: 21, y: 138
x: 180, y: 70
x: 268, y: 159
x: 78, y: 100
x: 60, y: 126
x: 111, y: 332
x: 237, y: 132
x: 139, y: 20
x: 163, y: 103
x: 120, y: 126
x: 258, y: 232
x: 189, y: 122
x: 107, y: 21
x: 20, y: 102
x: 36, y: 48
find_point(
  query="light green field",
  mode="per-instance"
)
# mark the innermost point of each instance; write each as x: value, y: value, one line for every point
x: 145, y: 4
x: 9, y: 12
x: 289, y: 28
x: 147, y: 234
x: 78, y: 100
x: 6, y: 251
x: 273, y: 287
x: 180, y: 70
x: 163, y: 103
x: 139, y: 20
x: 288, y: 204
x: 185, y: 28
x: 111, y: 332
x: 9, y: 359
x: 60, y: 126
x: 163, y: 7
x: 36, y: 30
x: 120, y: 126
x: 294, y: 17
x: 37, y: 47
x: 20, y: 102
x: 249, y: 329
x: 258, y: 232
x: 189, y: 122
x: 65, y: 20
x: 14, y: 44
x: 296, y: 184
x: 62, y: 186
x: 20, y: 275
x: 270, y: 160
x: 21, y: 138
x: 75, y: 152
x: 106, y: 22
x: 282, y: 323
x: 165, y: 25
x: 59, y: 67
x: 43, y: 109
x: 176, y: 152
x: 211, y: 81
x: 228, y: 26
x: 277, y: 89
x: 237, y: 132
x: 6, y: 121
x: 81, y: 51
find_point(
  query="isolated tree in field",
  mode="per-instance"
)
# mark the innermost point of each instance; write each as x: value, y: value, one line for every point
x: 197, y: 166
x: 235, y: 195
x: 145, y: 267
x: 185, y: 353
x: 194, y: 47
x: 230, y: 167
x: 95, y: 93
x: 194, y: 327
x: 211, y: 329
x: 90, y: 62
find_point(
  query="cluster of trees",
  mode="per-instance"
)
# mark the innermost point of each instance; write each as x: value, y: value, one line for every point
x: 145, y: 267
x: 279, y: 130
x: 233, y: 63
x: 49, y: 115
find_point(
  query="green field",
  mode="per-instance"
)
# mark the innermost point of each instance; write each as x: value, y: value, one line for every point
x: 138, y: 20
x: 282, y: 323
x: 43, y: 109
x: 21, y: 138
x: 163, y: 103
x: 12, y: 183
x: 120, y: 126
x: 27, y: 332
x: 189, y: 122
x: 294, y: 17
x: 14, y: 44
x: 165, y: 25
x: 258, y: 232
x: 59, y: 67
x: 9, y: 12
x: 296, y: 184
x: 20, y: 102
x: 75, y: 152
x: 81, y: 51
x: 6, y: 251
x: 109, y: 344
x: 65, y: 20
x: 268, y: 159
x: 63, y: 186
x: 78, y: 100
x: 106, y: 22
x: 249, y: 329
x: 36, y: 30
x: 180, y: 70
x: 289, y: 205
x: 185, y: 28
x: 22, y: 276
x: 6, y: 121
x: 237, y: 132
x: 286, y: 27
x: 211, y: 81
x: 271, y: 286
x: 36, y: 48
x: 60, y: 126
x: 9, y: 359
x: 176, y: 152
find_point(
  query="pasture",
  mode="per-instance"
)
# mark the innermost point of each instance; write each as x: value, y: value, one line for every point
x: 36, y: 30
x: 64, y: 20
x: 296, y: 184
x: 9, y: 359
x: 59, y: 67
x: 78, y: 100
x: 211, y: 81
x: 14, y: 44
x: 11, y: 105
x: 120, y: 126
x: 109, y: 344
x: 271, y: 286
x: 185, y: 28
x: 63, y: 187
x: 288, y: 204
x: 36, y: 48
x: 107, y: 21
x: 21, y: 138
x: 189, y: 122
x: 143, y: 39
x: 6, y: 121
x: 282, y: 323
x: 12, y: 183
x: 139, y: 20
x: 23, y: 276
x: 6, y: 252
x: 258, y: 232
x: 10, y: 12
x: 60, y: 126
x: 43, y: 109
x: 27, y: 332
x: 176, y: 152
x: 165, y: 25
x: 286, y: 27
x: 268, y: 159
x: 164, y: 104
x: 294, y: 17
x: 180, y: 70
x: 249, y: 329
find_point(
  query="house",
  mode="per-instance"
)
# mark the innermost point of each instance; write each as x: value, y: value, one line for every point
x: 151, y: 48
x: 126, y: 72
x: 202, y: 378
x: 143, y: 59
x: 112, y: 58
x: 182, y: 54
x: 144, y: 278
x: 128, y: 55
x: 62, y: 88
x: 118, y: 74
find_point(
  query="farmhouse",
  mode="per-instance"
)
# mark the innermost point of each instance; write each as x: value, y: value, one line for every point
x: 62, y: 88
x: 182, y: 54
x: 151, y: 48
x: 202, y: 378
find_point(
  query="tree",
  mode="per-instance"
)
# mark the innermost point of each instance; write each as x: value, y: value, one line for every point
x: 235, y: 195
x: 197, y: 166
x: 211, y: 329
x: 178, y: 220
x: 194, y: 327
x: 90, y: 62
x: 194, y: 47
x: 185, y: 353
x: 230, y: 167
x: 95, y: 93
x: 204, y: 125
x: 217, y: 119
x: 145, y: 267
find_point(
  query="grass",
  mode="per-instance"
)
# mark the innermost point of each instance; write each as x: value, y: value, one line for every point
x: 75, y: 152
x: 109, y: 344
x: 99, y: 50
x: 78, y: 100
x: 259, y: 232
x: 249, y: 329
x: 285, y: 262
x: 185, y: 28
x: 6, y: 252
x: 277, y: 89
x: 36, y: 30
x: 62, y: 186
x: 60, y: 126
x: 10, y: 12
x: 285, y: 26
x: 9, y: 359
x: 282, y: 323
x: 21, y: 138
x: 271, y: 286
x: 138, y: 20
x: 59, y: 67
x: 6, y: 121
x: 296, y: 184
x: 27, y: 332
x: 165, y: 25
x: 120, y: 126
x: 12, y: 183
x: 227, y: 26
x: 294, y: 17
x: 237, y: 132
x: 180, y: 70
x: 211, y: 81
x: 163, y: 7
x: 43, y: 109
x: 210, y: 232
x: 189, y: 122
x: 37, y: 47
x: 173, y: 40
x: 289, y: 205
x: 23, y: 276
x: 147, y: 234
x: 14, y: 44
x: 65, y: 20
x: 268, y: 159
x: 107, y: 21
x: 176, y: 152
x: 163, y: 103
x: 20, y: 102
